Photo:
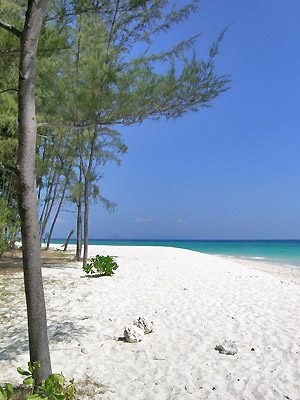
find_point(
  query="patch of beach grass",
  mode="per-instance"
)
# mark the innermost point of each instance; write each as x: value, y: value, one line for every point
x: 88, y: 388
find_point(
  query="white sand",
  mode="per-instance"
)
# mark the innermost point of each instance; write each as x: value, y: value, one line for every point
x: 196, y: 301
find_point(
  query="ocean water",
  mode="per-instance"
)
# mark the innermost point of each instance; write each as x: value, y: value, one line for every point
x: 284, y: 252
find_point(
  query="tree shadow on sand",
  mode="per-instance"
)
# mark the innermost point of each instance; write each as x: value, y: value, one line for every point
x: 14, y: 342
x: 12, y: 261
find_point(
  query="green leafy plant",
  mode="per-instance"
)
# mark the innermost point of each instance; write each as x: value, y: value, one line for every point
x: 9, y: 225
x: 103, y: 265
x: 5, y: 394
x: 31, y: 374
x: 53, y: 388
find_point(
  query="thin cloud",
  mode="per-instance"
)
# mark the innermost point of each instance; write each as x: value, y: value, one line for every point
x: 59, y: 220
x: 142, y: 220
x: 181, y: 221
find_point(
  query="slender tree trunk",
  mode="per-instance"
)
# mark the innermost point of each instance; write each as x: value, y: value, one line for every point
x: 43, y: 158
x: 27, y: 194
x: 79, y: 220
x: 10, y: 191
x: 69, y: 237
x: 79, y: 205
x: 87, y: 174
x: 86, y: 222
x: 55, y: 217
x: 47, y: 200
x: 79, y: 231
x: 48, y: 212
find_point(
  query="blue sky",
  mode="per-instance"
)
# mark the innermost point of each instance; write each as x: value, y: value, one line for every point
x: 230, y: 172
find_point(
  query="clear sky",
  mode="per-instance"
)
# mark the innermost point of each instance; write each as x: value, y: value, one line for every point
x: 230, y: 172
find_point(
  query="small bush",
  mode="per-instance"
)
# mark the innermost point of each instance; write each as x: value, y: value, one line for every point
x: 53, y: 388
x: 103, y: 265
x: 7, y: 392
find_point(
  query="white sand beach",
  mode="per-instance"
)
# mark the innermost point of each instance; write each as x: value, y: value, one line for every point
x: 196, y: 302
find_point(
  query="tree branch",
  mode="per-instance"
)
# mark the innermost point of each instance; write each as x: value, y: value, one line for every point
x: 9, y: 169
x: 9, y: 90
x: 51, y: 125
x: 8, y: 52
x: 10, y: 28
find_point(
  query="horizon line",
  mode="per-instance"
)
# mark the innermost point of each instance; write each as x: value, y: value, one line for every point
x: 186, y: 240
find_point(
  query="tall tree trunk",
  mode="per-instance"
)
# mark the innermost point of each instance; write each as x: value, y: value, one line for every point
x: 55, y: 217
x: 27, y: 194
x: 48, y: 211
x: 86, y: 221
x: 43, y: 159
x: 79, y: 231
x: 47, y: 200
x: 79, y: 220
x: 79, y: 205
x: 87, y: 175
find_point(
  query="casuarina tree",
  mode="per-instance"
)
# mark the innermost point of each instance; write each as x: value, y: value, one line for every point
x: 121, y: 86
x: 110, y: 77
x: 27, y: 195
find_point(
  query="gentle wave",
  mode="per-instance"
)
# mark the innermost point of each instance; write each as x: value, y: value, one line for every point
x: 291, y: 266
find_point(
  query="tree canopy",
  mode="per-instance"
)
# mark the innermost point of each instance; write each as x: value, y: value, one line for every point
x: 76, y: 71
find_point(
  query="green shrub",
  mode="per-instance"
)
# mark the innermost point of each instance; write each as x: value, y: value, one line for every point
x: 31, y: 374
x: 5, y: 394
x: 53, y: 388
x: 103, y: 265
x: 9, y: 226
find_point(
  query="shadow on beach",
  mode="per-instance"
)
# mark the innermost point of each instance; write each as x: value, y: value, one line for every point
x: 11, y: 261
x: 16, y: 339
x: 14, y: 336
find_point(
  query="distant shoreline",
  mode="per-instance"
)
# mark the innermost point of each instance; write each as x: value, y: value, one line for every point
x: 282, y: 252
x: 62, y: 240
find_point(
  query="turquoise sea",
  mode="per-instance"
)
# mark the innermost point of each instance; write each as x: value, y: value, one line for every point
x: 284, y: 252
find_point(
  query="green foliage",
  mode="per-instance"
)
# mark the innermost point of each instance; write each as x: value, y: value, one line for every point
x: 8, y: 150
x: 4, y: 243
x: 9, y: 226
x: 9, y: 59
x: 96, y: 69
x: 103, y: 265
x: 31, y: 374
x: 5, y: 394
x: 53, y: 388
x: 9, y: 45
